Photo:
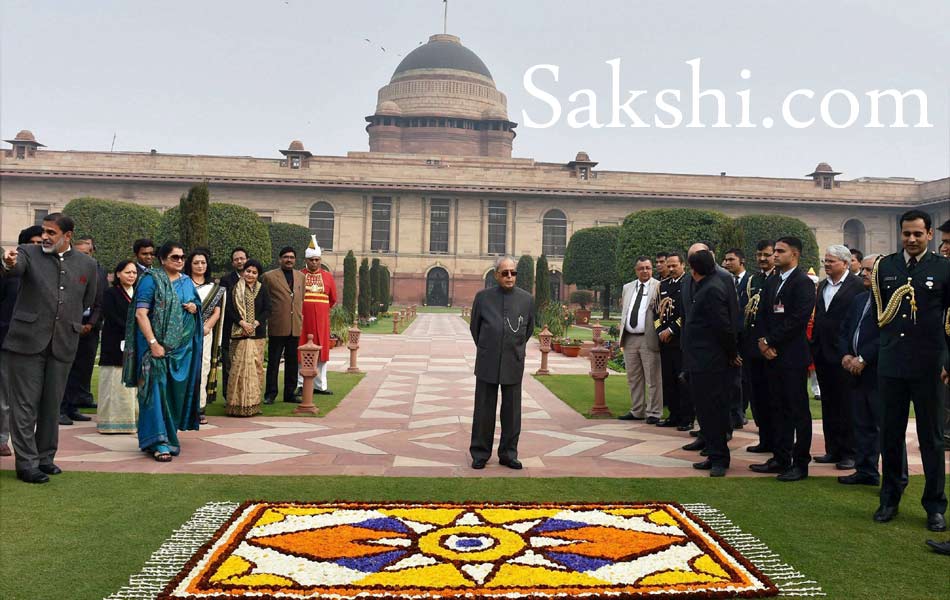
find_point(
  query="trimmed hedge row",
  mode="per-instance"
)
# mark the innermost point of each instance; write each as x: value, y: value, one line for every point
x: 229, y: 226
x: 113, y: 225
x: 288, y: 234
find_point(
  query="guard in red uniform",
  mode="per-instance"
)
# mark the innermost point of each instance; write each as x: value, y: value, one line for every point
x: 318, y: 298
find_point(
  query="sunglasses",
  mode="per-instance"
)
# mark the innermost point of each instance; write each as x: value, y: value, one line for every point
x: 508, y: 273
x: 176, y: 257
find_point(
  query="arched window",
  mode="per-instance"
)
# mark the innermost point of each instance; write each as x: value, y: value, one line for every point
x: 854, y: 235
x: 490, y: 279
x: 321, y: 224
x: 555, y: 279
x: 554, y: 233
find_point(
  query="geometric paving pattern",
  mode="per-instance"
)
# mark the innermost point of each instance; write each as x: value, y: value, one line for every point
x: 411, y: 416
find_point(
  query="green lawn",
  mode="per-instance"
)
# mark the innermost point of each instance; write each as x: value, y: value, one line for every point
x: 577, y: 391
x: 82, y: 535
x: 384, y: 325
x: 438, y: 309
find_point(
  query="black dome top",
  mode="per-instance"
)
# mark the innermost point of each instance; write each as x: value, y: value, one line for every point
x: 443, y: 52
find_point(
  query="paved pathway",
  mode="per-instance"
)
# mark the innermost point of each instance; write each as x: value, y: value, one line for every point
x: 411, y: 416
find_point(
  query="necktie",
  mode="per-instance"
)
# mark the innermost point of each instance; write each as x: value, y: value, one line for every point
x: 912, y: 263
x: 635, y: 313
x: 857, y: 330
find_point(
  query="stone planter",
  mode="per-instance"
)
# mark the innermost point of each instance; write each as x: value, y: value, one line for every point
x: 571, y: 351
x: 556, y: 346
x: 582, y: 316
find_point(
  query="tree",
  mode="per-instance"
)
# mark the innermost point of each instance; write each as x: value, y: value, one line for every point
x: 229, y: 226
x: 194, y: 224
x: 384, y: 287
x: 731, y: 236
x: 525, y: 270
x: 542, y: 284
x: 374, y: 296
x: 590, y: 260
x: 364, y: 293
x: 772, y: 227
x: 646, y: 232
x: 288, y: 234
x: 114, y: 226
x: 349, y: 285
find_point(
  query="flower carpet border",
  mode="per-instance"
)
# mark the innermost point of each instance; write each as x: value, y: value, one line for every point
x: 446, y: 551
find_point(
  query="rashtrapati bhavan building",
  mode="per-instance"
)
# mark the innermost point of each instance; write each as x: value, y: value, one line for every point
x: 438, y: 195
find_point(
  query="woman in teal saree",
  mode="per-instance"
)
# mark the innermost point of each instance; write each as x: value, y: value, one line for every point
x: 163, y: 354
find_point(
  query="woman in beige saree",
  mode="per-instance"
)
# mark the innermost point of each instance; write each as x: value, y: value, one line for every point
x: 248, y: 306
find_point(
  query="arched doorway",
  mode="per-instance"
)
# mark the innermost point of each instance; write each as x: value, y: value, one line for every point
x: 854, y: 235
x: 437, y: 287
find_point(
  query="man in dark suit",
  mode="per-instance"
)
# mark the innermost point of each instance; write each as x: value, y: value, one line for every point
x: 502, y: 322
x: 238, y: 259
x: 669, y: 326
x: 755, y: 381
x: 734, y: 262
x: 783, y: 314
x: 834, y: 298
x: 709, y: 350
x: 9, y: 288
x: 78, y: 392
x: 56, y: 284
x: 912, y: 293
x: 861, y: 339
x: 687, y: 294
x: 144, y: 251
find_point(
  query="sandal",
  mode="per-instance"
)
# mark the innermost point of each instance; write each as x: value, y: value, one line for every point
x: 162, y: 453
x: 203, y: 420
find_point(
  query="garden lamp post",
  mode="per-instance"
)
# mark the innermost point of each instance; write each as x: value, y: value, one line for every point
x: 545, y: 338
x: 395, y: 321
x: 308, y: 369
x: 598, y: 371
x: 353, y: 333
x: 598, y: 328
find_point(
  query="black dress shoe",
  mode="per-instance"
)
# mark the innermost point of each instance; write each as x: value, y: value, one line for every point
x: 514, y: 463
x: 768, y: 467
x: 826, y: 459
x: 717, y: 471
x: 666, y: 423
x: 78, y: 416
x: 479, y: 463
x: 323, y: 392
x: 758, y: 449
x: 652, y: 421
x: 50, y: 469
x: 629, y: 417
x: 845, y: 464
x: 685, y: 427
x: 294, y: 399
x: 32, y: 476
x: 793, y: 474
x: 883, y: 514
x: 694, y: 433
x: 859, y: 479
x: 940, y: 547
x: 268, y: 399
x: 936, y: 522
x: 64, y: 420
x: 703, y: 466
x: 695, y: 445
x: 704, y: 452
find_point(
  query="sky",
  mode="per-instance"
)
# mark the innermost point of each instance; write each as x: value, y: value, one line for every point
x: 245, y: 78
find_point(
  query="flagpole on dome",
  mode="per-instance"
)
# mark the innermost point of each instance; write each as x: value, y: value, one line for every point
x: 445, y: 16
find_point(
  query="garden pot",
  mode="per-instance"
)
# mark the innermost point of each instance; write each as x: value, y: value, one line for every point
x: 556, y: 346
x: 571, y: 351
x: 581, y: 316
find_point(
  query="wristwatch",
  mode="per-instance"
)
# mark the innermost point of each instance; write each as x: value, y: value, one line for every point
x: 861, y: 359
x: 152, y: 341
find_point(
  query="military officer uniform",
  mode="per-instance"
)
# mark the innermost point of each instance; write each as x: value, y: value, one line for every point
x: 912, y: 295
x: 669, y: 312
x: 753, y: 365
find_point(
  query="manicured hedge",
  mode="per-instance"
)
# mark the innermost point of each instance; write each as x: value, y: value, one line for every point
x: 646, y: 232
x: 229, y: 226
x: 288, y: 234
x: 525, y: 273
x: 114, y: 226
x: 364, y: 297
x: 590, y: 259
x: 542, y: 284
x: 772, y: 227
x: 195, y: 208
x: 349, y: 285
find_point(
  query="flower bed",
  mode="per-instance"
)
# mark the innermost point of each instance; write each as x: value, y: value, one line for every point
x: 451, y: 551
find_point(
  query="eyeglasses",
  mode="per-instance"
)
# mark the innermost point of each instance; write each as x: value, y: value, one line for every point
x: 176, y: 257
x: 508, y: 273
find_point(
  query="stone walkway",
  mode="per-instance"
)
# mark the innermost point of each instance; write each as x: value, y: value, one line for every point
x: 411, y: 416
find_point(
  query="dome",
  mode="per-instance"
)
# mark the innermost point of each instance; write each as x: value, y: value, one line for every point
x: 494, y: 113
x: 582, y: 157
x: 443, y: 51
x: 823, y: 168
x: 296, y: 145
x: 25, y: 136
x: 388, y: 108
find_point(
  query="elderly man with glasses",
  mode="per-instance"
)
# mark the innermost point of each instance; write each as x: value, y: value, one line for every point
x: 502, y: 321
